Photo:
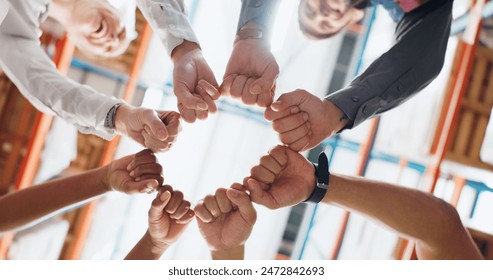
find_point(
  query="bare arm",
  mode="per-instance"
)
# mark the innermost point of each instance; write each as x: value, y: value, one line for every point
x: 36, y: 202
x: 284, y: 178
x: 430, y: 221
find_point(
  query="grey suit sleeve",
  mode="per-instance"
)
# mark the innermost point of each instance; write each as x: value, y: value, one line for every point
x: 261, y: 11
x: 415, y: 59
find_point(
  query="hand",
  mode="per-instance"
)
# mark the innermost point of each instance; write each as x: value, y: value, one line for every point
x: 168, y: 217
x: 226, y: 219
x: 156, y: 130
x: 282, y: 178
x: 136, y: 173
x: 194, y: 83
x: 251, y: 72
x: 304, y: 120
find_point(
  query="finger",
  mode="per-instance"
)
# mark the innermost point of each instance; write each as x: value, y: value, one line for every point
x: 244, y: 205
x: 142, y: 186
x: 262, y: 174
x: 188, y: 99
x: 246, y: 96
x: 172, y: 121
x: 225, y: 88
x: 201, y: 115
x: 300, y: 144
x: 157, y: 206
x: 290, y: 122
x: 238, y: 85
x: 295, y: 134
x: 266, y: 82
x: 154, y: 144
x: 181, y: 210
x: 175, y: 201
x: 279, y: 154
x: 156, y: 177
x: 240, y: 187
x: 267, y: 98
x: 271, y: 164
x: 223, y: 201
x: 286, y: 100
x: 142, y: 157
x: 146, y: 169
x: 186, y: 114
x: 156, y: 127
x: 272, y: 115
x: 257, y: 192
x: 211, y: 205
x: 212, y: 108
x: 186, y: 218
x: 208, y: 88
x: 203, y: 213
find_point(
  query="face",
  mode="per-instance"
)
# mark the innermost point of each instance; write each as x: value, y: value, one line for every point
x: 95, y: 27
x: 322, y: 17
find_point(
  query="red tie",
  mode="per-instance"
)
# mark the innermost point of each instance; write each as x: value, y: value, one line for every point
x: 409, y: 5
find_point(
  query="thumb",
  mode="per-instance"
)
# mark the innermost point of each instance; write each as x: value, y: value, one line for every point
x: 267, y: 81
x: 286, y: 100
x: 257, y: 192
x: 188, y: 100
x: 158, y: 205
x: 245, y: 207
x: 153, y: 125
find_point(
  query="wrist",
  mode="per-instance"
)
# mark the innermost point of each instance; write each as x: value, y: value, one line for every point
x: 182, y: 49
x: 335, y: 116
x: 156, y: 247
x: 234, y: 253
x: 121, y: 117
x: 251, y: 30
x: 104, y: 174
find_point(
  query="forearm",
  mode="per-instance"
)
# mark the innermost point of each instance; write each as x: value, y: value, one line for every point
x: 33, y: 203
x: 32, y: 71
x: 434, y: 224
x: 236, y: 253
x: 145, y: 249
x: 410, y: 212
x: 412, y: 63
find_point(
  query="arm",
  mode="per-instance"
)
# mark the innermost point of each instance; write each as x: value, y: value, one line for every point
x: 32, y: 71
x: 433, y: 223
x: 194, y: 83
x: 226, y: 221
x: 252, y: 70
x: 33, y: 203
x: 168, y: 217
x: 410, y: 65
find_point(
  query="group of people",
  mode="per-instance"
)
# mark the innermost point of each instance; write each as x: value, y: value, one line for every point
x: 283, y: 177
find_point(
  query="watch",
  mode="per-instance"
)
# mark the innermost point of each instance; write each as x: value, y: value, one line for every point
x: 322, y: 174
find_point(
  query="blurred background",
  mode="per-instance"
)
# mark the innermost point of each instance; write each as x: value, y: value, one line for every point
x: 397, y: 148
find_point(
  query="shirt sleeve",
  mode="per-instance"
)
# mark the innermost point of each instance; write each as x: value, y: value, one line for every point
x: 261, y: 11
x: 32, y: 71
x: 415, y: 59
x: 169, y: 21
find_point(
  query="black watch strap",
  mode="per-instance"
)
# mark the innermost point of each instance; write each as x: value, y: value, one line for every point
x: 322, y: 173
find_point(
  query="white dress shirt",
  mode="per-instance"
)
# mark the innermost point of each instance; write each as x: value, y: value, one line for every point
x: 25, y: 62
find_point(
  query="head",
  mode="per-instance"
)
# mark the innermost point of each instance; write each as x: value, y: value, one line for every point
x: 97, y: 28
x: 321, y: 19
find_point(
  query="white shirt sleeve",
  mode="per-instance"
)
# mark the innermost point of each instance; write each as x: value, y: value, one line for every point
x: 32, y: 71
x: 169, y: 21
x: 4, y: 8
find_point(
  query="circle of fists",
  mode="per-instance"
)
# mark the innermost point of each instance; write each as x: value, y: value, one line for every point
x: 282, y: 178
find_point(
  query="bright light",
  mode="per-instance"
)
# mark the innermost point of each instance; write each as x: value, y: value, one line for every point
x: 285, y: 13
